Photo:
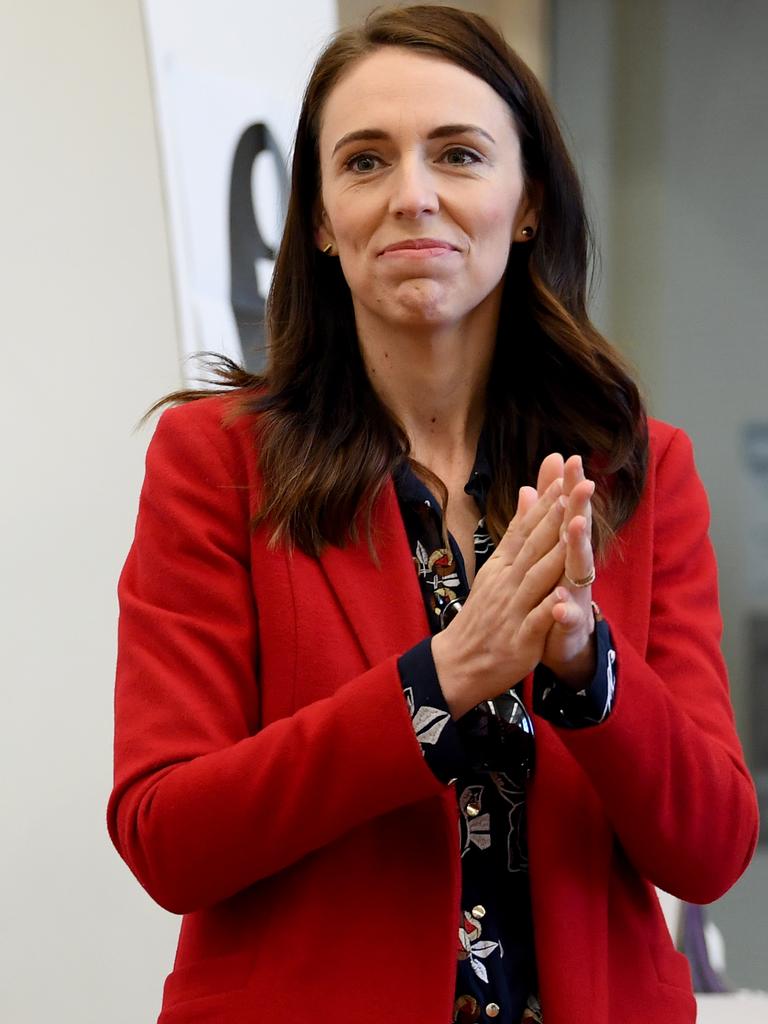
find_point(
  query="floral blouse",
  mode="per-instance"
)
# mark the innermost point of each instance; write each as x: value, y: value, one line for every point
x: 496, y: 966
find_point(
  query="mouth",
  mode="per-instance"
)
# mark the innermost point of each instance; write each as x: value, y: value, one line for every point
x: 419, y: 248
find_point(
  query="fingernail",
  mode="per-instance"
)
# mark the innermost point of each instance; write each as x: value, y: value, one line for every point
x: 561, y: 594
x: 563, y: 501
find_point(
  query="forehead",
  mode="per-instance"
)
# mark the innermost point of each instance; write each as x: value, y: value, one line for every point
x: 397, y: 89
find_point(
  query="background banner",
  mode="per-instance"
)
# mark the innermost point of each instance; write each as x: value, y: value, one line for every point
x: 228, y: 78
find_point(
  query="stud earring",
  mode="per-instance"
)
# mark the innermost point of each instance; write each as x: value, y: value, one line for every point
x: 527, y: 232
x: 328, y: 250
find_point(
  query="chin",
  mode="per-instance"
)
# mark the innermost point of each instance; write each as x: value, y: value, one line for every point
x: 425, y: 315
x: 425, y: 302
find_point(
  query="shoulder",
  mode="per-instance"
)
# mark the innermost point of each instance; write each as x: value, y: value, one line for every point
x: 218, y: 420
x: 209, y: 439
x: 662, y: 436
x: 673, y: 483
x: 669, y: 447
x: 213, y: 416
x: 673, y: 496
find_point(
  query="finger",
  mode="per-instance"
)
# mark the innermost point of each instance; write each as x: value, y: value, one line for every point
x: 578, y: 503
x: 538, y: 622
x: 573, y: 476
x: 579, y: 557
x: 551, y: 469
x: 544, y: 536
x: 539, y: 508
x: 578, y: 499
x: 587, y: 513
x: 537, y: 570
x: 570, y: 615
x: 530, y: 513
x: 573, y: 473
x: 527, y: 498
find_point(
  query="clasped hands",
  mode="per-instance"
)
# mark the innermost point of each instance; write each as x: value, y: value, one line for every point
x: 523, y: 609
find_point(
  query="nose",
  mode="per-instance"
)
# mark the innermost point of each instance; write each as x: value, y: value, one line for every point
x: 413, y: 190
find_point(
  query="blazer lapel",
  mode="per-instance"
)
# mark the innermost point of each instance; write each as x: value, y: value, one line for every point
x: 383, y: 604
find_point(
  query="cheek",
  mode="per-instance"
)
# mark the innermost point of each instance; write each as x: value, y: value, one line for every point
x: 352, y: 218
x: 347, y: 232
x: 493, y: 208
x: 494, y: 229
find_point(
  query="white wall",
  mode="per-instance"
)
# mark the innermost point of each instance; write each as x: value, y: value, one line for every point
x: 88, y: 341
x: 89, y: 336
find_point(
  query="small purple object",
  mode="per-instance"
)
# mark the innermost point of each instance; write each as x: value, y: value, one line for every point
x: 705, y: 977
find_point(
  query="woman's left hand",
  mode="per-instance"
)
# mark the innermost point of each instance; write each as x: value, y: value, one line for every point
x: 570, y: 648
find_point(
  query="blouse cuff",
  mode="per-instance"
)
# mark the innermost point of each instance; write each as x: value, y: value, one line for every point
x: 571, y: 709
x: 432, y: 722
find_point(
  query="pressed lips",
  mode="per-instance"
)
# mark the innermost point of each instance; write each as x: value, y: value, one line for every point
x: 419, y: 247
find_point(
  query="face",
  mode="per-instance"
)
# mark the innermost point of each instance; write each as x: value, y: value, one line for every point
x: 422, y: 188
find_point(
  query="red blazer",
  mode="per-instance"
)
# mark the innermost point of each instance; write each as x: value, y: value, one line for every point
x: 270, y: 788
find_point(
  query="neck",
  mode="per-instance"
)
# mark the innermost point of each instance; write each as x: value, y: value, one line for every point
x: 433, y: 380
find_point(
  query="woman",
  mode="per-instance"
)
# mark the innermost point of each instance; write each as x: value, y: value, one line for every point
x: 311, y: 700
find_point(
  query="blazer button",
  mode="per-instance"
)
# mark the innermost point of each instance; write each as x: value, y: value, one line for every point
x: 493, y: 1009
x: 478, y: 912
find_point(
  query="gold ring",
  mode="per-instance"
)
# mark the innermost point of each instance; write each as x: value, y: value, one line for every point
x: 586, y: 582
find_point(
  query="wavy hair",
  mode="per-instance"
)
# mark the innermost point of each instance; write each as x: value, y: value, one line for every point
x: 326, y: 443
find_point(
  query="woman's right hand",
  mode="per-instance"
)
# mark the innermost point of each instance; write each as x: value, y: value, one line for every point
x: 499, y: 636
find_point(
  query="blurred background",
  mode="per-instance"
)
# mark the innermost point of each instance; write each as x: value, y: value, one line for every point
x: 665, y: 104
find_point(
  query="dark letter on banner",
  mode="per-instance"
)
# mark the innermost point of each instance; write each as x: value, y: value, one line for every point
x: 246, y: 244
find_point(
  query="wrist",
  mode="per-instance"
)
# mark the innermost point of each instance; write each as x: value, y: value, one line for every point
x: 578, y: 670
x: 456, y: 681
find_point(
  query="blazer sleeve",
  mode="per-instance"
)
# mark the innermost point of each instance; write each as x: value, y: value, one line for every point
x: 667, y: 762
x: 206, y: 802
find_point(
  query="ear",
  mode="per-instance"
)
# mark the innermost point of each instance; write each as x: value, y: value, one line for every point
x: 323, y: 233
x: 528, y: 212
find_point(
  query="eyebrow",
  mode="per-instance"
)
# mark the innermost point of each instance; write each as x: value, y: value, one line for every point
x: 442, y: 132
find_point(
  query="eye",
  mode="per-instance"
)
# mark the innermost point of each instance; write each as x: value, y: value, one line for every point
x: 363, y: 163
x: 460, y: 156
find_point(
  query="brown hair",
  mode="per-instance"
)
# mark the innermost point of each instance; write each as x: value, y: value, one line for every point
x: 326, y: 444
